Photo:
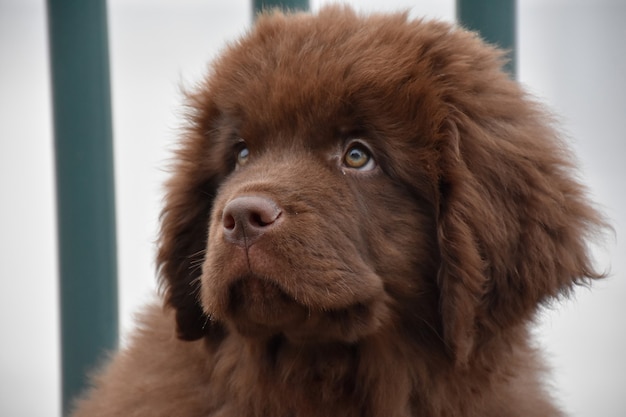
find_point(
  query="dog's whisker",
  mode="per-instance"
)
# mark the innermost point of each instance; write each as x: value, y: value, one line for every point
x: 200, y: 252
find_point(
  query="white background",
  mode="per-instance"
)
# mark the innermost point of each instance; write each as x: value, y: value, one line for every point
x: 572, y: 55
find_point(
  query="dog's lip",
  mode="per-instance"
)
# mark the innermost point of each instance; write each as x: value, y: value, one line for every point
x: 260, y: 285
x: 262, y: 301
x: 264, y: 290
x: 265, y: 309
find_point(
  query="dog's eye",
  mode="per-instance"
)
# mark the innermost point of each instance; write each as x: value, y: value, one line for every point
x: 358, y: 157
x: 242, y: 155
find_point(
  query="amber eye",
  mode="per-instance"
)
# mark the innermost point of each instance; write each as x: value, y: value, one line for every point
x: 242, y: 154
x: 358, y: 157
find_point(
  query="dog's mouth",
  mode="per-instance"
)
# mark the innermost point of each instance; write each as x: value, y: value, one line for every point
x: 257, y: 306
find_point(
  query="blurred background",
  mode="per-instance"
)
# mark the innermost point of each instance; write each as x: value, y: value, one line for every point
x: 571, y: 55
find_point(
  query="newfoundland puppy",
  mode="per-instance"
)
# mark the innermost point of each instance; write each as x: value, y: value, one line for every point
x: 364, y: 218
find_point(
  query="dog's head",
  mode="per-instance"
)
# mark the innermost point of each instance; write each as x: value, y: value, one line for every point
x: 342, y: 173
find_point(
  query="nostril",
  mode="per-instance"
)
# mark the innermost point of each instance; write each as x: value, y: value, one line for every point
x: 264, y: 217
x: 229, y: 222
x: 256, y: 220
x: 246, y: 218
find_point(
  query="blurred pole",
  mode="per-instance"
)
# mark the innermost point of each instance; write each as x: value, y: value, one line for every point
x: 85, y: 187
x: 496, y: 22
x: 260, y: 5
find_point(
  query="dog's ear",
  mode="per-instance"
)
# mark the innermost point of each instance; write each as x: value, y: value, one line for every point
x: 513, y: 224
x: 185, y: 222
x: 462, y: 275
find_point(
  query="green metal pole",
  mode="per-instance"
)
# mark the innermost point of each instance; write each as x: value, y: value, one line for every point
x: 260, y: 5
x: 496, y: 22
x: 85, y: 187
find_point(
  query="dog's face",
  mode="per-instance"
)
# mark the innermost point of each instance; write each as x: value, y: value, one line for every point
x: 341, y: 175
x: 309, y: 232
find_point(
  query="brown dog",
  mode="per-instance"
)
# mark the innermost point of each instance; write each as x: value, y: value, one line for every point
x: 365, y: 216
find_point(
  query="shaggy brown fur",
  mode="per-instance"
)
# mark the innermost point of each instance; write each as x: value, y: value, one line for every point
x: 365, y: 216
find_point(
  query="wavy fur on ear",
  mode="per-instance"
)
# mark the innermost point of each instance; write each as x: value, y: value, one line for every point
x: 185, y: 218
x: 512, y: 222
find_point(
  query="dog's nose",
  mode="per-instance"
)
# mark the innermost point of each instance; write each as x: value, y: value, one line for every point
x: 247, y: 218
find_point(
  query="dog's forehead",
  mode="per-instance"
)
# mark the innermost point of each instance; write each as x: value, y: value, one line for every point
x: 309, y: 76
x: 298, y: 73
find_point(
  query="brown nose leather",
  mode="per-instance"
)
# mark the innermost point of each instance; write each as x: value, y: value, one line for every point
x: 247, y: 218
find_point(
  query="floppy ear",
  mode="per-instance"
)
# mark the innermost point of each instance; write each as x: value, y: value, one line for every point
x: 462, y: 275
x: 512, y: 223
x: 185, y: 223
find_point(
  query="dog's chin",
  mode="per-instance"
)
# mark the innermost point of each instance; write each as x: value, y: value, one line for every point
x: 259, y: 308
x: 258, y: 302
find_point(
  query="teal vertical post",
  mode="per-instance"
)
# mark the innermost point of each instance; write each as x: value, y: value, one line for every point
x: 496, y: 22
x: 85, y: 187
x: 260, y: 5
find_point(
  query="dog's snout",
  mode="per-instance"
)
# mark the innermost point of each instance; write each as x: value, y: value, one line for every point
x: 247, y: 218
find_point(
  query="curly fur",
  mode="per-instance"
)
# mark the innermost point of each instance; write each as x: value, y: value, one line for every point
x: 403, y: 290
